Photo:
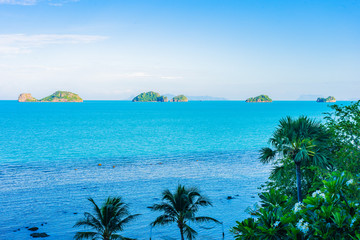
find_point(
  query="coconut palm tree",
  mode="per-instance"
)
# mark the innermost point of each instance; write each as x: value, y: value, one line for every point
x: 180, y: 207
x: 106, y: 222
x: 300, y: 140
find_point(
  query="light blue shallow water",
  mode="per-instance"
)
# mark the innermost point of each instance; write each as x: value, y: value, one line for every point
x: 153, y: 146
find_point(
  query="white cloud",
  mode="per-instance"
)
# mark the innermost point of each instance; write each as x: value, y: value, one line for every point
x: 170, y: 77
x: 21, y: 43
x: 56, y: 3
x: 59, y: 3
x: 141, y: 75
x: 135, y: 75
x: 18, y: 2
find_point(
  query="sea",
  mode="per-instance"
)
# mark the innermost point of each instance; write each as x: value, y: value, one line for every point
x: 54, y: 156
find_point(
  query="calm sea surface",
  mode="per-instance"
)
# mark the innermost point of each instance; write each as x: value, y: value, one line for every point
x: 49, y: 156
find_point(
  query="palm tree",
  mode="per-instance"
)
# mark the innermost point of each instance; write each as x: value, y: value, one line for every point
x: 180, y: 207
x: 106, y: 221
x: 300, y: 140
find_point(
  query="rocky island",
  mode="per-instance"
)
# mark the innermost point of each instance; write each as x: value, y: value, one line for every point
x: 179, y: 98
x: 58, y: 96
x: 26, y: 97
x: 261, y: 98
x: 150, y: 97
x: 328, y: 99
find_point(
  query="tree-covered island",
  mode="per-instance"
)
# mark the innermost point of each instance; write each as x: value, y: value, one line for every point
x: 328, y: 99
x: 261, y: 98
x: 58, y: 96
x: 179, y: 98
x: 150, y: 97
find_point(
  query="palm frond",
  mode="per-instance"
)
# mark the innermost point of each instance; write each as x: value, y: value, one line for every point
x: 267, y: 155
x: 128, y: 219
x: 85, y: 235
x: 203, y: 201
x: 97, y: 210
x: 107, y: 220
x: 189, y: 232
x: 119, y: 237
x: 168, y: 196
x: 89, y: 221
x: 205, y: 219
x: 181, y: 207
x: 166, y: 207
x: 163, y: 220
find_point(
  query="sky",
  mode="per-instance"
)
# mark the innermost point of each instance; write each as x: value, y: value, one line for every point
x: 116, y: 49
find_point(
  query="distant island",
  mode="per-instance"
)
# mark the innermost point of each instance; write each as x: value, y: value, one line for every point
x: 58, y: 96
x: 199, y: 98
x: 26, y: 97
x: 179, y: 98
x: 150, y: 97
x: 191, y: 98
x: 156, y: 97
x: 328, y: 99
x: 261, y: 98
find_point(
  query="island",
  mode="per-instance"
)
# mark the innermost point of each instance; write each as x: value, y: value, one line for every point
x: 26, y: 97
x: 261, y: 98
x: 150, y: 97
x: 328, y: 99
x: 179, y: 98
x: 58, y: 96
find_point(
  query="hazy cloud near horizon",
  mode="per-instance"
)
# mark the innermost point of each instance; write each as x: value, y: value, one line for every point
x: 22, y: 43
x: 116, y: 49
x: 56, y: 3
x: 18, y: 2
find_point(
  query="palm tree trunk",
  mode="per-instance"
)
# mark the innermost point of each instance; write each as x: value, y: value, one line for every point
x: 298, y: 181
x: 150, y: 232
x: 182, y: 233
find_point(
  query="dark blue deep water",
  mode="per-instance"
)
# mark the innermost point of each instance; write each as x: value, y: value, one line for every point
x: 153, y: 146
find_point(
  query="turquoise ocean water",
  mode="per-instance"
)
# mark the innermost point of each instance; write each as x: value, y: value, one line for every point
x: 153, y: 146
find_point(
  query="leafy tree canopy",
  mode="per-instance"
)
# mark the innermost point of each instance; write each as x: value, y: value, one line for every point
x: 261, y: 98
x: 150, y: 97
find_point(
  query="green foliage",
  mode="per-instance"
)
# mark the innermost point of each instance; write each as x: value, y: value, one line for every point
x: 162, y: 99
x: 300, y: 142
x: 273, y: 199
x: 261, y: 98
x: 344, y: 125
x: 328, y: 99
x: 331, y: 209
x: 62, y: 96
x: 106, y: 222
x: 246, y: 230
x: 181, y: 207
x: 150, y: 97
x: 270, y: 220
x: 179, y: 98
x: 332, y: 212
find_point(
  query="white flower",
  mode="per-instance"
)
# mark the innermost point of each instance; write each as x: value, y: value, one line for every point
x: 276, y: 223
x: 352, y: 221
x: 317, y: 192
x: 351, y: 181
x: 303, y: 226
x: 298, y: 206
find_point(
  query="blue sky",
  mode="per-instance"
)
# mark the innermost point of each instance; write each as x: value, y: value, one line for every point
x: 115, y: 49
